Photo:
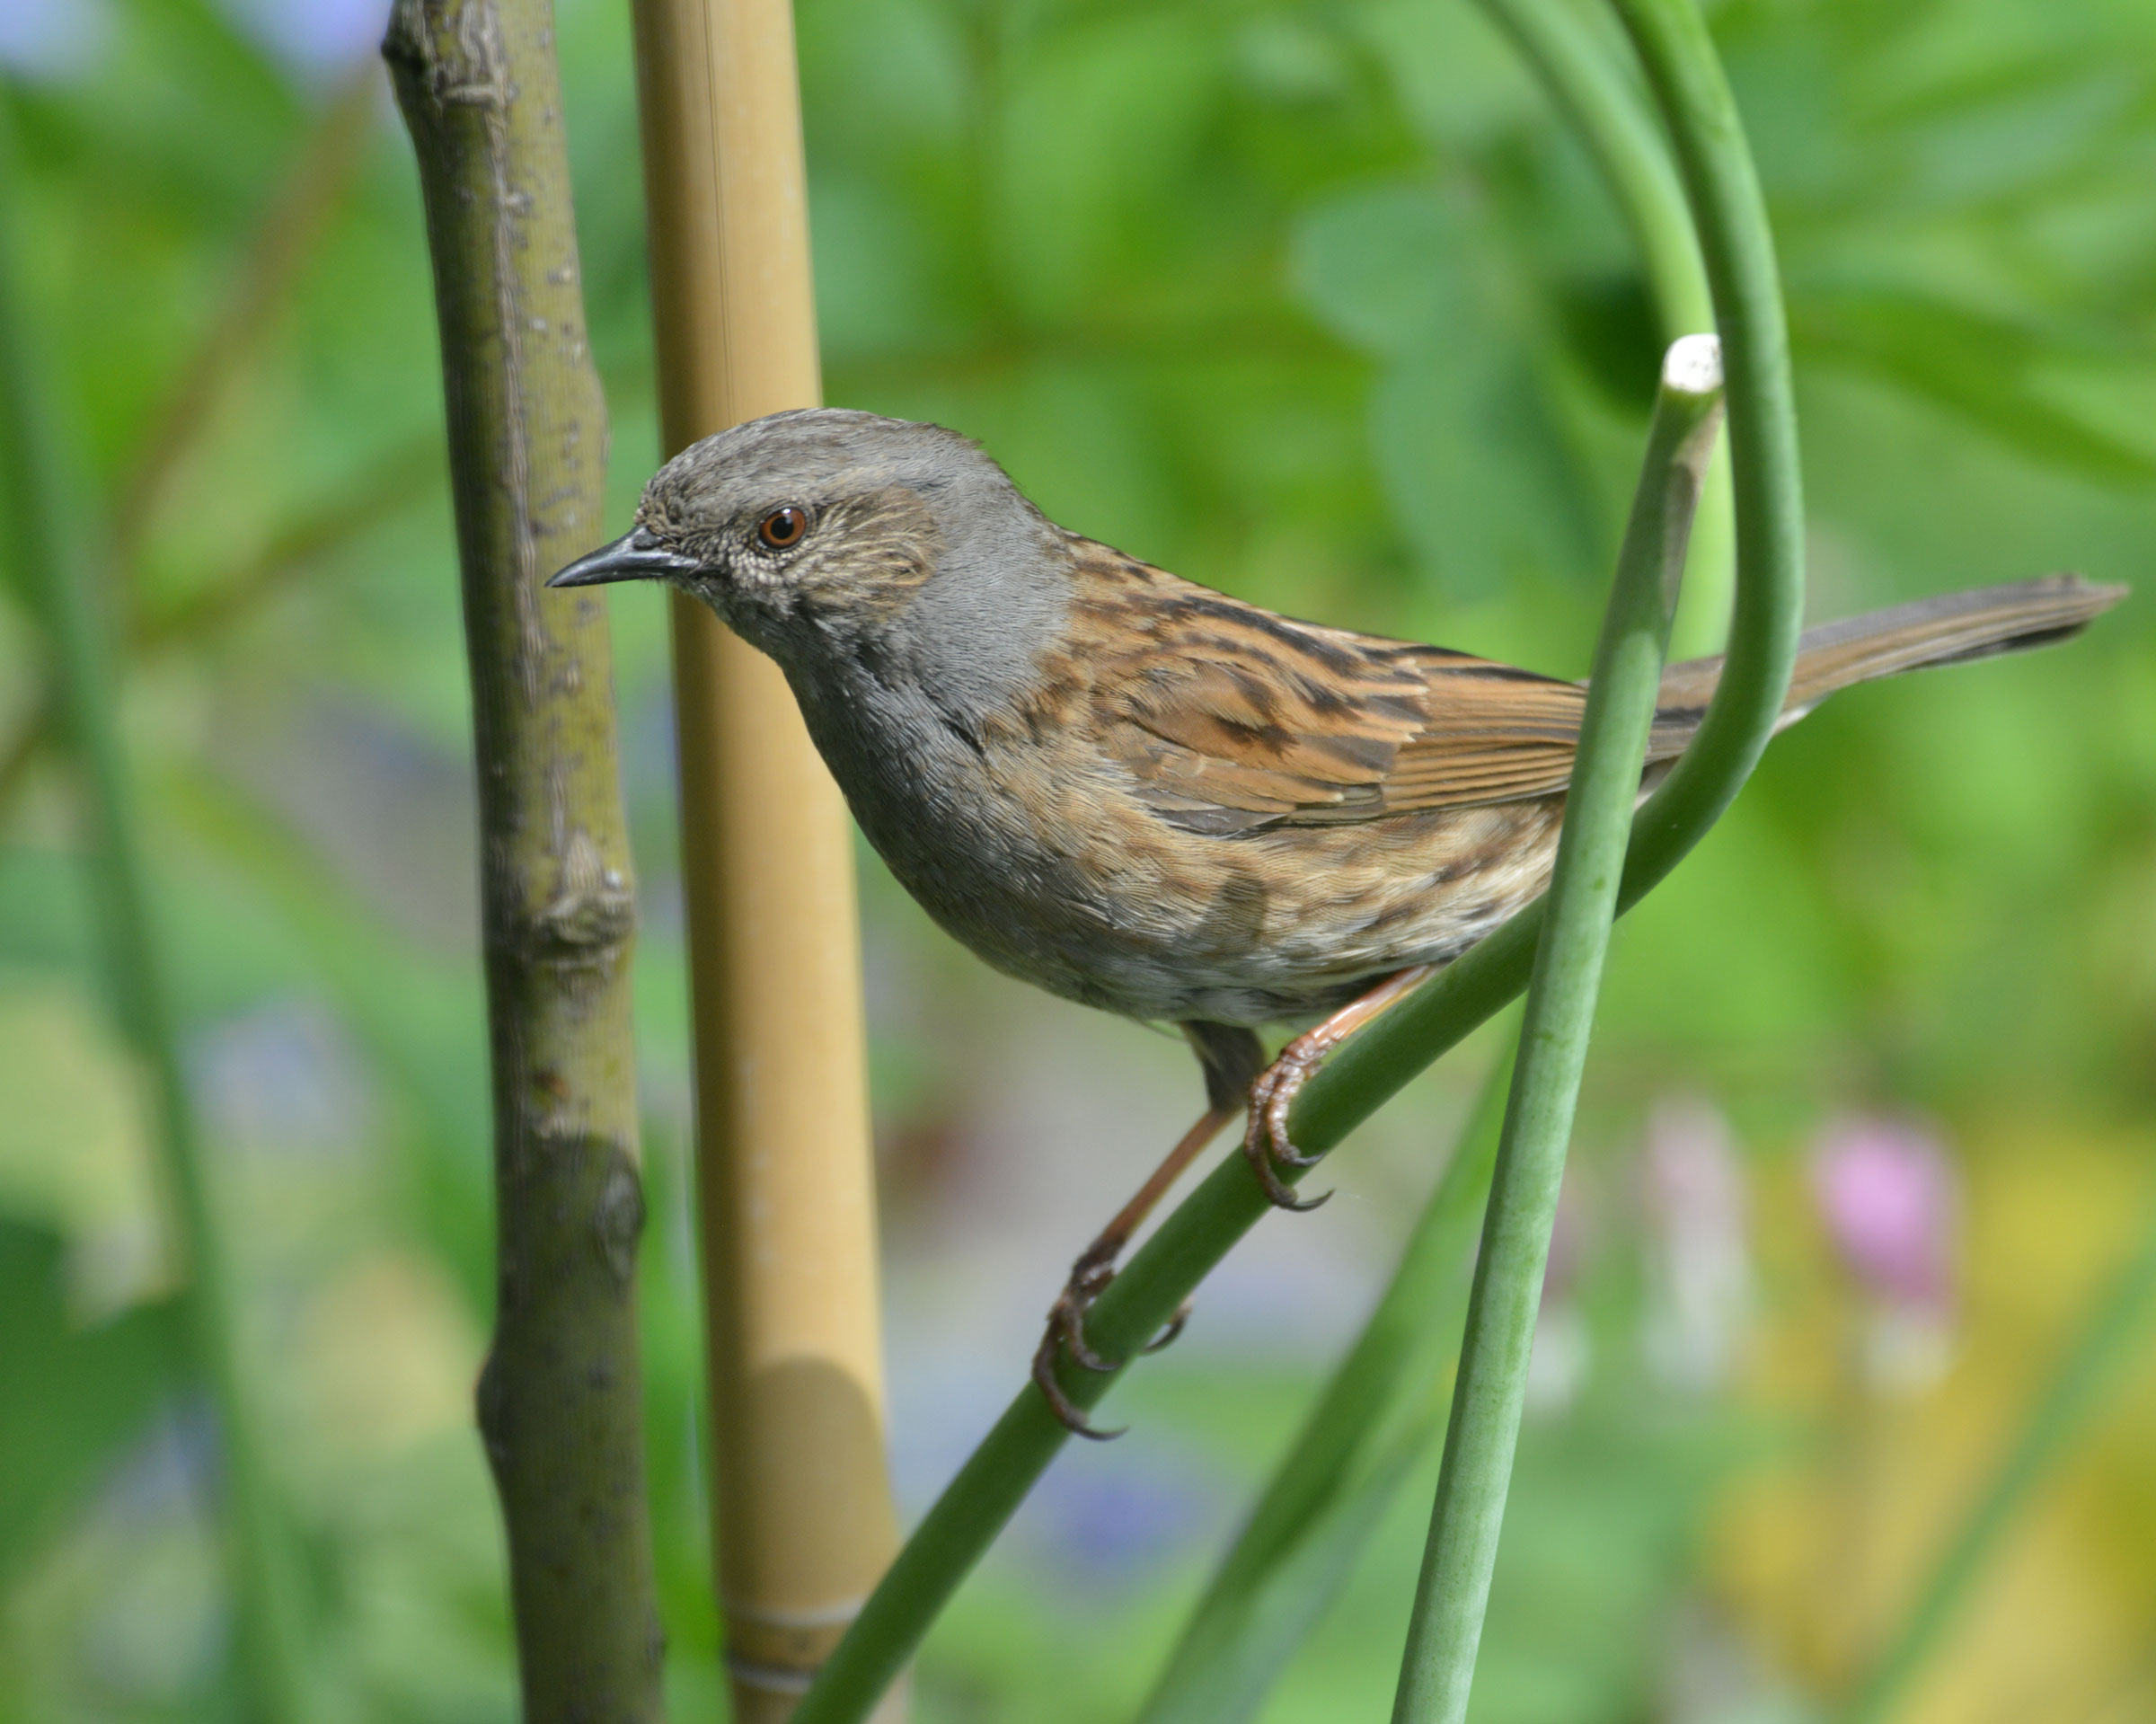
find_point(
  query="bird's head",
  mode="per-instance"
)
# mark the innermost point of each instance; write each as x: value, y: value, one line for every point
x: 805, y: 526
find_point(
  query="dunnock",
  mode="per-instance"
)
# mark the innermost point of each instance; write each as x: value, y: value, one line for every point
x: 1147, y: 796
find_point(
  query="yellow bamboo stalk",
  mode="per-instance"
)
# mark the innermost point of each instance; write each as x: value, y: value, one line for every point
x: 803, y: 1523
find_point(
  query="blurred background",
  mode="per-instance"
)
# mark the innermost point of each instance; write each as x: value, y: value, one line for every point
x: 1318, y: 303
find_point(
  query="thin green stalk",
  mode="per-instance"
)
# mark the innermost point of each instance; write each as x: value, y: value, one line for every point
x: 1692, y: 93
x: 41, y: 529
x: 2088, y: 1369
x: 1606, y: 109
x: 1453, y: 1593
x: 1378, y: 1416
x: 1374, y: 1066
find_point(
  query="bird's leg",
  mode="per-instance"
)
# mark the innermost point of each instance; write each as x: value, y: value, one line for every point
x: 1231, y: 1057
x: 1266, y: 1145
x: 1096, y: 1267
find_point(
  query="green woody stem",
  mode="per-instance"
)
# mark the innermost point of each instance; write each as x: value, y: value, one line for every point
x: 1696, y: 105
x: 560, y: 1400
x: 1454, y: 1591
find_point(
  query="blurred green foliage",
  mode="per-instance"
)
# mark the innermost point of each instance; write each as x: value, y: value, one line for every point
x: 1318, y: 303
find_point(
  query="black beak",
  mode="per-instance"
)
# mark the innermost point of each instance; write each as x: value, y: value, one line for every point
x: 634, y: 556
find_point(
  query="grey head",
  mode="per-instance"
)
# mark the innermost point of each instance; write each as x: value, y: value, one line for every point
x: 823, y: 534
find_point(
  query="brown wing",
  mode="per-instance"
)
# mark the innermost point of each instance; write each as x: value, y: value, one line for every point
x: 1233, y: 718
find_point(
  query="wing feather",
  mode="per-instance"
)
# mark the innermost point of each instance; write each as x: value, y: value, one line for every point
x: 1234, y: 719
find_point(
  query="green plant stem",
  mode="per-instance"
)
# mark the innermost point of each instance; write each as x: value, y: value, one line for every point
x: 1373, y: 1067
x: 43, y: 536
x: 560, y: 1399
x: 1378, y: 1415
x: 1605, y: 108
x: 1453, y: 1593
x: 2088, y: 1369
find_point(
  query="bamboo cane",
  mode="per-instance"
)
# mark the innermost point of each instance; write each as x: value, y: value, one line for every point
x: 803, y: 1521
x: 561, y: 1400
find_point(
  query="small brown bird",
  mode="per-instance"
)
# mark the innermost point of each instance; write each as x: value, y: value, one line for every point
x: 1150, y: 797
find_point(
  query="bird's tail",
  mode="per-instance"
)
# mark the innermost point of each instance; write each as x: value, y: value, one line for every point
x: 1941, y: 631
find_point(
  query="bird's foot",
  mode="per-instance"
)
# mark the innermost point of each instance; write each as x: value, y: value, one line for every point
x: 1089, y: 1276
x: 1091, y: 1273
x: 1266, y: 1145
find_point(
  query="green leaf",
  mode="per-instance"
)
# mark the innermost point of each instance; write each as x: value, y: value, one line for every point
x: 1467, y: 441
x: 1477, y: 467
x: 1980, y: 368
x: 1382, y: 268
x: 75, y: 1396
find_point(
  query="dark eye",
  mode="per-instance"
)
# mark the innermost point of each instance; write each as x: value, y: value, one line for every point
x: 781, y: 529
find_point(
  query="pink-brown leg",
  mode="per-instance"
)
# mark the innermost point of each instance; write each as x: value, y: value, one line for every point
x: 1096, y: 1267
x: 1266, y: 1145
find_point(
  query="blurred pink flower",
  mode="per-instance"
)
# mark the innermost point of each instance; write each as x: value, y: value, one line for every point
x: 1891, y: 1200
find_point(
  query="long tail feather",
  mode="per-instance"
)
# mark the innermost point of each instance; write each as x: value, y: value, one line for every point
x: 1943, y: 630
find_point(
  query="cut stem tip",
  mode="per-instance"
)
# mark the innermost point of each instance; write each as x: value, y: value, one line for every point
x: 1693, y: 365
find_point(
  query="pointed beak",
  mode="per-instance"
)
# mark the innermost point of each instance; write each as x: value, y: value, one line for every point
x: 634, y: 556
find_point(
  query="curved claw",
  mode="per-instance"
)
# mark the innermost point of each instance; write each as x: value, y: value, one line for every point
x: 1068, y: 1412
x: 1283, y: 1195
x: 1170, y: 1329
x: 1074, y: 1338
x: 1066, y: 1317
x: 1266, y: 1144
x: 1066, y: 1332
x: 1258, y: 1153
x: 1285, y: 1152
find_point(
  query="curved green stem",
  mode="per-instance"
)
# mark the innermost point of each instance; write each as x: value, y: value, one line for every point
x: 1372, y: 1068
x: 1453, y: 1593
x: 265, y: 1603
x: 1603, y: 107
x: 1693, y: 95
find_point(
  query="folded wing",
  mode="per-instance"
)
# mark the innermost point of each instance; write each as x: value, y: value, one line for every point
x: 1234, y: 720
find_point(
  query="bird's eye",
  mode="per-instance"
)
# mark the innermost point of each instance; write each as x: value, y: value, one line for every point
x: 781, y: 529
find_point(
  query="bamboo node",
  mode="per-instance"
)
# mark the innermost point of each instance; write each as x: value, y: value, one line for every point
x: 780, y: 1651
